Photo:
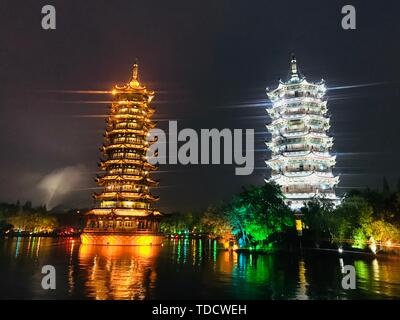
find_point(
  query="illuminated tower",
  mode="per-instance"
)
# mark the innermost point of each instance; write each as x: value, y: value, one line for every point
x: 123, y: 214
x: 301, y: 162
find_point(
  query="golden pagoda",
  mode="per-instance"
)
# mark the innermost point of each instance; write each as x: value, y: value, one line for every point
x: 122, y: 214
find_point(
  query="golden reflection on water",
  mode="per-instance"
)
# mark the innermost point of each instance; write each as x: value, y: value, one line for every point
x: 302, y: 284
x: 119, y: 272
x: 380, y: 276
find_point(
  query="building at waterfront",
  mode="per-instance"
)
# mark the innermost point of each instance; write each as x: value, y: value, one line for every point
x: 123, y: 212
x: 301, y: 162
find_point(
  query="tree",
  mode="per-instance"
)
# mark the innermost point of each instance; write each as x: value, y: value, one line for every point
x: 316, y: 216
x: 384, y: 232
x: 351, y: 221
x: 257, y: 213
x: 215, y: 221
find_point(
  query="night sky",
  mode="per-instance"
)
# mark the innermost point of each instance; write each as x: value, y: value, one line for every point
x: 209, y: 62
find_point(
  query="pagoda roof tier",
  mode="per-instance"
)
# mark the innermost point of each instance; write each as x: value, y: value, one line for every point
x: 278, y: 143
x: 123, y: 212
x: 310, y: 133
x: 118, y: 116
x: 140, y: 124
x: 294, y: 114
x: 306, y: 140
x: 304, y: 134
x: 119, y: 110
x: 276, y: 150
x: 297, y: 204
x: 125, y: 177
x: 285, y: 147
x: 279, y: 166
x: 124, y: 195
x: 139, y: 132
x: 303, y: 85
x: 302, y: 155
x: 136, y: 105
x: 305, y: 117
x: 296, y: 82
x: 302, y: 173
x: 143, y: 163
x: 299, y: 101
x: 125, y: 102
x: 124, y: 140
x: 105, y: 148
x: 310, y: 195
x: 311, y: 178
x: 133, y: 88
x: 283, y: 128
x: 133, y: 94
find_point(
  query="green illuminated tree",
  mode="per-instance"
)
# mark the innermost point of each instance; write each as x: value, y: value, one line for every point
x: 258, y: 213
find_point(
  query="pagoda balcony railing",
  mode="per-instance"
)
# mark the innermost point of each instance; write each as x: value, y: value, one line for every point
x: 117, y: 204
x: 300, y: 98
x: 291, y: 112
x: 126, y: 189
x: 129, y: 140
x: 323, y: 154
x: 289, y: 131
x: 303, y: 148
x: 294, y: 130
x: 128, y: 171
x: 121, y: 229
x: 126, y: 115
x: 305, y: 169
x: 293, y: 146
x: 293, y: 107
x: 318, y: 140
x: 132, y: 110
x: 304, y: 112
x: 308, y: 190
x: 298, y: 116
x: 128, y: 155
x: 125, y: 125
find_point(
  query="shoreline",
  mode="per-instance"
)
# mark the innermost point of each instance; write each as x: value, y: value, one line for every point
x: 294, y: 249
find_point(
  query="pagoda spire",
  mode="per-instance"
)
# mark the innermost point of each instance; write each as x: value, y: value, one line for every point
x: 135, y: 75
x: 294, y: 76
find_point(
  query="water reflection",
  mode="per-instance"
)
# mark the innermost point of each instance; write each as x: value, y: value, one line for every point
x: 118, y: 272
x: 187, y: 269
x: 379, y: 276
x: 303, y: 284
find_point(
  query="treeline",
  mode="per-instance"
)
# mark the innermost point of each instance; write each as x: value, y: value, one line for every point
x: 258, y: 218
x: 26, y: 218
x: 364, y: 217
x: 255, y: 218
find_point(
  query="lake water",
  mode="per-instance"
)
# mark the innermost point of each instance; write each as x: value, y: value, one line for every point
x: 186, y: 269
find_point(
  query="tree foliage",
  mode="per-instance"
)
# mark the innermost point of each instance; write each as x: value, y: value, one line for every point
x: 361, y: 217
x: 253, y: 217
x: 257, y: 213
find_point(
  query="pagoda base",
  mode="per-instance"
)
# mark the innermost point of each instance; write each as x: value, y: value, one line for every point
x: 122, y: 238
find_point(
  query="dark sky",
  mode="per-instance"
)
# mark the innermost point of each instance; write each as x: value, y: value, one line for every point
x: 209, y: 62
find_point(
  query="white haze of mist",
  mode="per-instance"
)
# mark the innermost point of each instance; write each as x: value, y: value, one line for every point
x: 61, y: 182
